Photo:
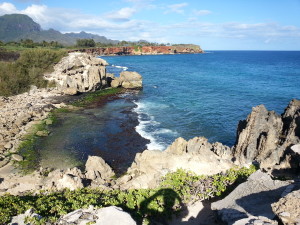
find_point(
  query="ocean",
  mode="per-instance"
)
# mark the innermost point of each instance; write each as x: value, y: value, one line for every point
x: 183, y: 96
x: 207, y: 94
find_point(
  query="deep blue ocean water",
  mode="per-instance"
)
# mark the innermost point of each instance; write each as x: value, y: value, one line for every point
x: 207, y: 94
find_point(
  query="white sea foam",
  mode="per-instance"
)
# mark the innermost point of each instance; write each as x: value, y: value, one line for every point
x: 121, y: 67
x: 145, y: 121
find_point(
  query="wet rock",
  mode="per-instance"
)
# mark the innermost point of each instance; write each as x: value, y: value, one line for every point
x: 288, y: 208
x: 252, y: 198
x: 42, y: 133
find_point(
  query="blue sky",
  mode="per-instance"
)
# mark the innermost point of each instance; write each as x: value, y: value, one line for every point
x: 213, y: 24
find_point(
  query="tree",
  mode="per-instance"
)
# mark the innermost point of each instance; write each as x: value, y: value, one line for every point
x: 85, y: 43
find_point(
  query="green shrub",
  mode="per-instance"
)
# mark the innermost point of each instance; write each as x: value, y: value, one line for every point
x: 16, y: 77
x: 150, y: 204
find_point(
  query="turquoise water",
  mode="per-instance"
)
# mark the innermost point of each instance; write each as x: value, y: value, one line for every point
x: 207, y: 94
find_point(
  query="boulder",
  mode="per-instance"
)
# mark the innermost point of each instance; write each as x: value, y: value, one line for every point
x: 20, y: 219
x: 131, y: 80
x: 70, y: 91
x: 106, y: 216
x: 287, y: 209
x: 17, y: 157
x: 96, y: 167
x: 115, y: 83
x: 252, y: 198
x: 69, y: 181
x: 79, y: 72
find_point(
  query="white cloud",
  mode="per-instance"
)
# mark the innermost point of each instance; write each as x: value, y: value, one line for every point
x: 202, y: 12
x: 122, y: 14
x: 176, y: 8
x: 7, y: 8
x: 121, y: 26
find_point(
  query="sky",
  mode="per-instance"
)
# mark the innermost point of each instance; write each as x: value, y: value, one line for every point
x: 212, y: 24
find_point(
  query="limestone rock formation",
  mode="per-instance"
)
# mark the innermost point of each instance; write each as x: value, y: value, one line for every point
x: 252, y: 198
x: 21, y: 218
x: 98, y: 171
x: 288, y: 208
x: 266, y: 137
x: 79, y: 72
x: 195, y: 155
x: 128, y: 80
x: 106, y: 216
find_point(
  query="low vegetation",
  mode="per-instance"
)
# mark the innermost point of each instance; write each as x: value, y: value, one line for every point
x: 144, y: 204
x: 16, y: 77
x: 95, y: 96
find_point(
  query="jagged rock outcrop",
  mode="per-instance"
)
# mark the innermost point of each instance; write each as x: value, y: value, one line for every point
x: 287, y: 208
x: 252, y: 198
x: 266, y: 137
x: 196, y: 155
x: 128, y: 80
x: 79, y: 72
x: 98, y: 171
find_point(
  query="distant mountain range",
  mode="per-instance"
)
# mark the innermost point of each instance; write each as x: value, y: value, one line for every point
x: 14, y: 27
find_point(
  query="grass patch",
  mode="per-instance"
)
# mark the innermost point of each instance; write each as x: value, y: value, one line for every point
x: 92, y: 97
x: 143, y: 204
x: 27, y: 147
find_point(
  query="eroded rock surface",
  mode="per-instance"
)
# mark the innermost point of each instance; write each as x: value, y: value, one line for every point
x: 106, y: 216
x: 266, y: 137
x: 79, y: 72
x: 252, y: 198
x: 195, y: 155
x: 128, y: 80
x: 288, y: 208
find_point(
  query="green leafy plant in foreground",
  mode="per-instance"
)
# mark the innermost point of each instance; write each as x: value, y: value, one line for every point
x: 143, y: 204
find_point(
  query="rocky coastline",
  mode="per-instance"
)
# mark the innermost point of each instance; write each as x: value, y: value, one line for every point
x: 266, y: 139
x: 143, y: 50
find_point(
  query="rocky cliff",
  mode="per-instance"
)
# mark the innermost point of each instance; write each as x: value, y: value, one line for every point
x: 79, y: 72
x: 264, y: 137
x: 144, y: 50
x: 267, y: 138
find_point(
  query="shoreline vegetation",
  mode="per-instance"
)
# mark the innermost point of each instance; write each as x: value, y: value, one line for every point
x: 151, y: 194
x: 145, y: 205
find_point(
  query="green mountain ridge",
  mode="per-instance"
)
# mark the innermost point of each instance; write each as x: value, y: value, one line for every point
x: 14, y: 27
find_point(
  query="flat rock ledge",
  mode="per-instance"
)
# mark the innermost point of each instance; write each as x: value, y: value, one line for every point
x: 251, y: 200
x: 105, y: 216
